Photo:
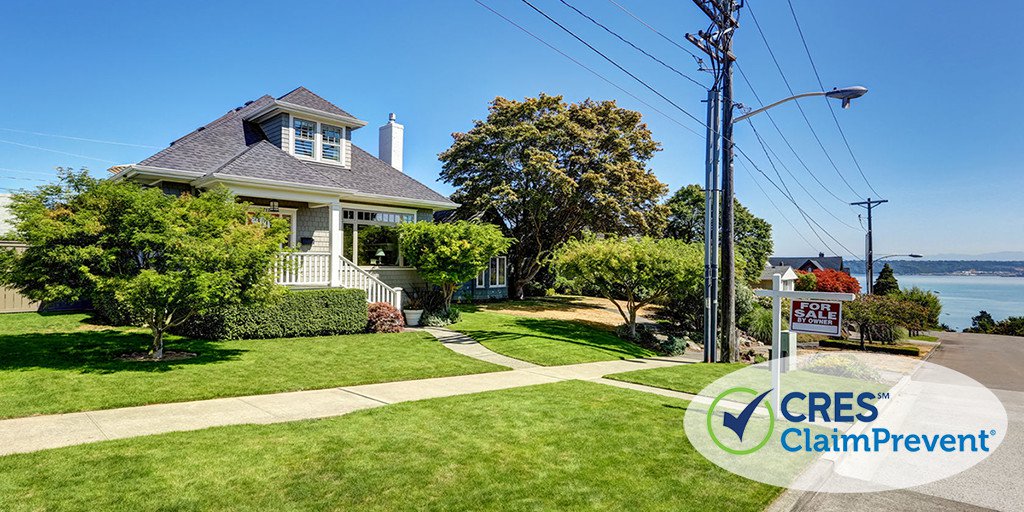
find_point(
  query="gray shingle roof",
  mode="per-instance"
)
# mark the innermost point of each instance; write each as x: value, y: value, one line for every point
x: 306, y: 98
x: 234, y: 147
x: 372, y: 175
x: 832, y: 262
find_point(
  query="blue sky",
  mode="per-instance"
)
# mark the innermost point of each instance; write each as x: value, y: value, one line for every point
x: 939, y: 134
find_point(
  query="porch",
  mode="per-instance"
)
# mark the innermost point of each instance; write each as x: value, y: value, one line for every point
x: 321, y: 269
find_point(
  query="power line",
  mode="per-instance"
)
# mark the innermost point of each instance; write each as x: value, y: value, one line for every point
x: 635, y: 47
x: 616, y: 64
x: 753, y: 180
x: 83, y: 139
x: 584, y: 66
x: 835, y: 118
x: 56, y: 151
x: 798, y: 106
x: 700, y: 61
x: 22, y: 171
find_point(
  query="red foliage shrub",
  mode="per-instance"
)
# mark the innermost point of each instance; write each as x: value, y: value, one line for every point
x: 835, y: 281
x: 384, y: 318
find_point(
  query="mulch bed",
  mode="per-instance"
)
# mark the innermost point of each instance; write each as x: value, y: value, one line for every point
x: 169, y: 355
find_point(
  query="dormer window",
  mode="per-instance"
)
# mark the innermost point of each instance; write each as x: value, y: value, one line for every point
x: 305, y: 137
x: 331, y: 142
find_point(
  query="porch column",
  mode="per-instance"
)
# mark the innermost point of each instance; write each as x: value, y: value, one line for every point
x: 335, y: 239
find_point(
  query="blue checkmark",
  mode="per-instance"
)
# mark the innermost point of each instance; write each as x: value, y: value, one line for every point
x: 738, y: 424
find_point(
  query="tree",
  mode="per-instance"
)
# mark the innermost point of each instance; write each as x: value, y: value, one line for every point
x: 829, y: 280
x: 927, y: 300
x: 872, y: 312
x: 982, y: 322
x: 550, y: 170
x: 753, y: 234
x: 165, y: 258
x: 449, y: 254
x: 886, y: 283
x: 631, y: 272
x: 806, y: 281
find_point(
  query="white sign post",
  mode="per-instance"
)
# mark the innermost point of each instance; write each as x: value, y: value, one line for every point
x: 819, y: 319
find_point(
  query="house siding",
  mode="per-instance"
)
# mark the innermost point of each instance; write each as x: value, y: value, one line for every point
x: 346, y: 149
x: 314, y: 223
x: 276, y: 130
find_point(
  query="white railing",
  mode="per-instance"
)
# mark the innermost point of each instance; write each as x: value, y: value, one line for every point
x: 351, y: 276
x: 314, y: 269
x: 303, y: 268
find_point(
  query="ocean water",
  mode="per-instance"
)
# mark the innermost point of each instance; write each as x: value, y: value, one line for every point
x: 964, y: 296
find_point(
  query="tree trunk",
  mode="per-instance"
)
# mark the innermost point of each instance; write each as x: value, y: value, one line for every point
x: 157, y: 350
x: 632, y: 321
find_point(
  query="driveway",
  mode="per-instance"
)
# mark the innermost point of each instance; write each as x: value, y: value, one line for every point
x: 998, y: 363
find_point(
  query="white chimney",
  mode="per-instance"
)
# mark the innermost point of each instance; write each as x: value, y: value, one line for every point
x: 391, y: 142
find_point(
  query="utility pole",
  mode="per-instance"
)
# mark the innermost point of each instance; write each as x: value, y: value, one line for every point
x: 716, y: 42
x: 869, y: 250
x: 711, y: 223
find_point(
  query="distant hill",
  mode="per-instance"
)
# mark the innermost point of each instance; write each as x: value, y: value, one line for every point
x: 988, y: 256
x: 945, y: 267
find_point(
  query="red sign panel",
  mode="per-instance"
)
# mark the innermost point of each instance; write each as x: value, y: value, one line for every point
x: 816, y: 317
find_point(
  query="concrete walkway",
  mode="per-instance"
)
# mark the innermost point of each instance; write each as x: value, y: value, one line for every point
x: 42, y: 432
x: 467, y: 346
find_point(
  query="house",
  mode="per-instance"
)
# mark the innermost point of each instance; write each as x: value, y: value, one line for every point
x: 789, y: 277
x: 293, y: 157
x: 810, y: 264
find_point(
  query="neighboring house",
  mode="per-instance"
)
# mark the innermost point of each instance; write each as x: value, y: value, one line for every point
x: 788, y: 277
x: 292, y: 156
x: 810, y: 264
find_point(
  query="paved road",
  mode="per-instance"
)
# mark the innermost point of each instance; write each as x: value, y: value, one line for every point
x: 998, y: 363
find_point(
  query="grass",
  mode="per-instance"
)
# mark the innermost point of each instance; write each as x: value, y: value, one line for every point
x: 925, y: 337
x: 563, y: 446
x: 686, y: 378
x: 63, y: 363
x: 545, y: 342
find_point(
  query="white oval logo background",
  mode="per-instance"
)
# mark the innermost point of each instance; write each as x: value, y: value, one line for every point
x: 925, y: 409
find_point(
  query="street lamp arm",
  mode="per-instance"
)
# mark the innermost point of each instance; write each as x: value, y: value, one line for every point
x: 777, y: 103
x: 845, y: 94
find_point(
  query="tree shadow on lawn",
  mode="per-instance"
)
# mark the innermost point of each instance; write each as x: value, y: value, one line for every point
x: 98, y: 351
x: 561, y: 331
x: 560, y: 303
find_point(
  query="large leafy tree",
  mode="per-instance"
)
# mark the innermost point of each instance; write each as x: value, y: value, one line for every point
x: 831, y: 280
x: 753, y: 234
x: 886, y: 284
x: 549, y: 170
x: 449, y: 254
x: 631, y: 272
x: 164, y: 258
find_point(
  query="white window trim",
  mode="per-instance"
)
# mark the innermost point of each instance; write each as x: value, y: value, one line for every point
x: 340, y: 143
x: 501, y: 271
x: 318, y: 142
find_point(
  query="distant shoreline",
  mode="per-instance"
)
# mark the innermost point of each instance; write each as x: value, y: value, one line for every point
x: 946, y: 268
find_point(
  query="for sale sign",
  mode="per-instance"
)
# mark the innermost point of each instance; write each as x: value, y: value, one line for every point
x: 816, y: 317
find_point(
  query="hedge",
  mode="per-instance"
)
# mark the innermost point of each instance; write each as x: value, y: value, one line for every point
x: 900, y: 350
x: 297, y: 313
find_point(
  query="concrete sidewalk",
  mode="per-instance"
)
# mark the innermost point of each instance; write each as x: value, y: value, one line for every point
x: 42, y: 432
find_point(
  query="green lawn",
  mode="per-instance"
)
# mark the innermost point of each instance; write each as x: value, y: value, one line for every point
x: 564, y: 446
x: 63, y: 363
x: 545, y: 342
x: 924, y: 337
x: 686, y: 378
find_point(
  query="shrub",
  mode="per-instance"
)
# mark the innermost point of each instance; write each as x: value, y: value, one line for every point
x: 758, y: 323
x: 295, y: 313
x: 383, y: 317
x: 440, y: 317
x: 113, y: 311
x: 806, y: 281
x: 841, y: 365
x: 646, y: 336
x: 829, y: 280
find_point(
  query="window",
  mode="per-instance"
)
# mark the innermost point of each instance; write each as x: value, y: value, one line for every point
x: 498, y: 270
x: 481, y: 279
x: 305, y: 137
x: 331, y: 142
x: 370, y: 237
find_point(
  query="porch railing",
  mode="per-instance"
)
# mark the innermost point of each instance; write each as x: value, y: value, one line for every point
x: 314, y: 269
x: 303, y: 268
x: 351, y: 276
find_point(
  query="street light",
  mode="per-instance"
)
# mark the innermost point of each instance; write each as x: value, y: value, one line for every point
x: 911, y: 255
x: 711, y: 218
x: 846, y: 94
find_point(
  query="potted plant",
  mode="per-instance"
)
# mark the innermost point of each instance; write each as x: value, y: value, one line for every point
x: 413, y: 310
